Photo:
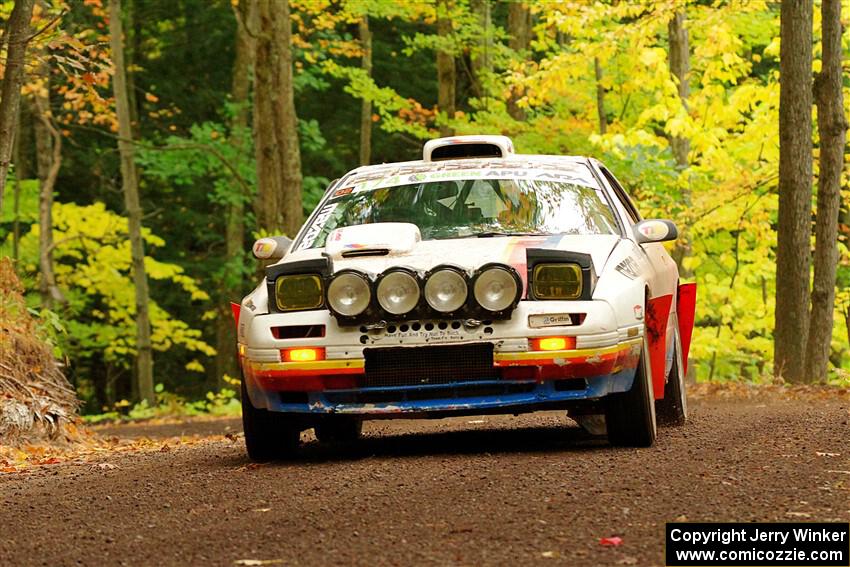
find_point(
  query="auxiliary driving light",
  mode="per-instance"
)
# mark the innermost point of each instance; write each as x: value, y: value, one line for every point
x: 349, y: 294
x: 495, y: 289
x: 446, y: 290
x: 398, y: 292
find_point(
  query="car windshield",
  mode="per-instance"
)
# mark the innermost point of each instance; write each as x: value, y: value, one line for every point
x: 460, y: 208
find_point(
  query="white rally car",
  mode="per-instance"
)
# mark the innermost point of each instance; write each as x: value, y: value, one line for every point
x: 474, y: 281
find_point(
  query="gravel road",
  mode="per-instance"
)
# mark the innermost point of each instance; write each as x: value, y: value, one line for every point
x: 532, y: 489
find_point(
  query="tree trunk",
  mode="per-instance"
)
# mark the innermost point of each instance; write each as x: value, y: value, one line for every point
x: 832, y: 128
x: 131, y: 50
x: 293, y: 211
x: 679, y: 65
x: 482, y: 60
x: 795, y: 190
x: 17, y: 31
x: 269, y: 171
x: 21, y: 172
x: 600, y: 97
x: 445, y: 68
x: 144, y: 361
x: 276, y: 123
x: 48, y: 143
x: 225, y: 362
x: 678, y: 56
x: 519, y: 39
x: 366, y: 105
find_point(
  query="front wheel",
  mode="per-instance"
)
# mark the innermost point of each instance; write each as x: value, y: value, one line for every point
x: 630, y: 416
x: 673, y: 408
x: 338, y: 429
x: 269, y: 435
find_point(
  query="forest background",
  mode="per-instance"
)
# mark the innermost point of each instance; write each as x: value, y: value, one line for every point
x: 234, y: 124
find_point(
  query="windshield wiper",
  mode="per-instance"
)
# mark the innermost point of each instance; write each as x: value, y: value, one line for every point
x: 491, y: 233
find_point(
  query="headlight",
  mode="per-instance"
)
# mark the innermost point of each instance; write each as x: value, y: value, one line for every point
x: 556, y: 281
x: 398, y: 292
x: 297, y: 293
x: 445, y: 290
x: 495, y: 289
x: 349, y: 294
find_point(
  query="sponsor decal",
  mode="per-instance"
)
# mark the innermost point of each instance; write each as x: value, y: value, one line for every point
x: 629, y: 268
x: 342, y: 192
x: 435, y: 336
x: 316, y: 226
x: 655, y: 230
x: 264, y: 248
x: 495, y: 170
x: 638, y: 311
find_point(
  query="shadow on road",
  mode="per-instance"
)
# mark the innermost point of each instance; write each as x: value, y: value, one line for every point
x: 442, y: 443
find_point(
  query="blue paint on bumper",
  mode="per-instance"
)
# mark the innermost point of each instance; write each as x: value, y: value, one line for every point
x: 389, y: 402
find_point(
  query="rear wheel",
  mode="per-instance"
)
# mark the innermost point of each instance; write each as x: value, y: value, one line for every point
x: 338, y: 429
x: 269, y: 435
x: 673, y: 408
x: 630, y: 416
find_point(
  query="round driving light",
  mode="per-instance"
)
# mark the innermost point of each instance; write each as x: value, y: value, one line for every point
x: 445, y: 291
x: 398, y: 292
x: 349, y: 294
x: 495, y: 289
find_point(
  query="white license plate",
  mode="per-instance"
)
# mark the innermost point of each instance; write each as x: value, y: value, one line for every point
x: 550, y: 320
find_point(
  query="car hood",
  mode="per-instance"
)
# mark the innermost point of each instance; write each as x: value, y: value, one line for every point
x: 471, y: 253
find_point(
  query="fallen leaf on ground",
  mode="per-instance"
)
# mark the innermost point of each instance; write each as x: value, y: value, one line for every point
x: 611, y: 541
x: 548, y: 554
x: 263, y: 510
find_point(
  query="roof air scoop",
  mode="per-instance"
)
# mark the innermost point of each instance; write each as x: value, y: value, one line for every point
x: 467, y: 147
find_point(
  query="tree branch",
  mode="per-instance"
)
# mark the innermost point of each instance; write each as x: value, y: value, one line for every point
x: 46, y: 26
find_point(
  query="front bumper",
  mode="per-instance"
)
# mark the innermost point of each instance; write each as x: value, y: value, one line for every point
x: 603, y: 362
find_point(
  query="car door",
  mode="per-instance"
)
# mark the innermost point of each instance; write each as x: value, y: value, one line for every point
x: 662, y: 281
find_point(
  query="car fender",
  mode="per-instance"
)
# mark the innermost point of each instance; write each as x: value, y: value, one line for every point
x: 255, y: 303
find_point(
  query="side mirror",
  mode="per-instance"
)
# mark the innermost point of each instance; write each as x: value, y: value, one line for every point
x: 271, y: 247
x: 655, y: 230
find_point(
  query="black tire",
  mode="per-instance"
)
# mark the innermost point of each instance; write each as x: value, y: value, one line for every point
x: 269, y: 435
x: 630, y: 416
x: 338, y: 429
x: 672, y: 410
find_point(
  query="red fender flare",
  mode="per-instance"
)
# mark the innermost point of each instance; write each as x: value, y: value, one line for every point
x: 686, y: 310
x: 235, y: 308
x: 657, y: 314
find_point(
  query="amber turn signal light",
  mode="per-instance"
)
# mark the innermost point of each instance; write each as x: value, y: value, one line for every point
x: 306, y: 354
x: 553, y: 343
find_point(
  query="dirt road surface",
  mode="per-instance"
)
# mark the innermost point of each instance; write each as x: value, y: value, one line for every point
x: 467, y: 491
